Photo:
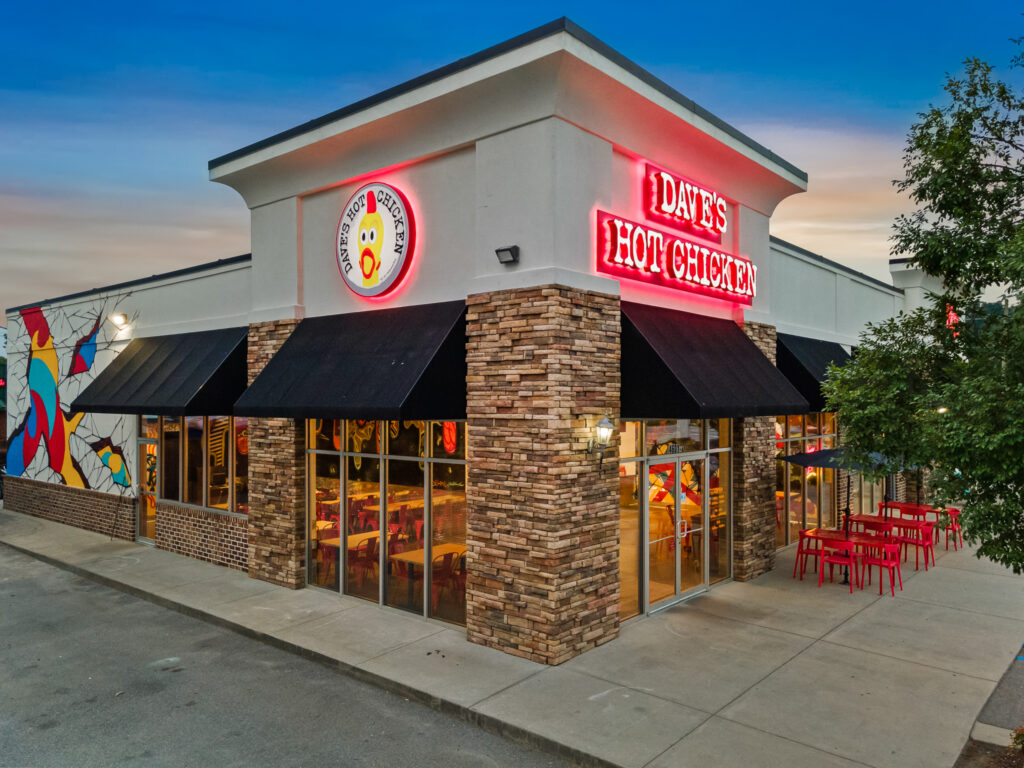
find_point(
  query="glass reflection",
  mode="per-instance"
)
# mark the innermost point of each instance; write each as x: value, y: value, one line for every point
x: 449, y: 439
x: 325, y: 529
x: 661, y: 506
x: 718, y: 516
x: 362, y: 527
x: 669, y: 436
x: 691, y: 520
x: 147, y: 488
x: 362, y: 436
x: 171, y: 455
x: 241, y: 448
x: 219, y: 446
x: 326, y: 434
x: 629, y: 539
x: 629, y: 439
x: 404, y: 534
x: 406, y: 438
x: 448, y: 542
x: 194, y: 460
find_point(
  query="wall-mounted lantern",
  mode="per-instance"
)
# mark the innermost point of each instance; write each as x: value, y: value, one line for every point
x: 603, y: 436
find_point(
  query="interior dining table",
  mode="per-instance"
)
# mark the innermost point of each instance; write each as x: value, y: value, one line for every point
x: 415, y: 558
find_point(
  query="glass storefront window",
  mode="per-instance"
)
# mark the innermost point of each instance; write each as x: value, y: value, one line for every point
x: 448, y: 542
x: 449, y: 439
x: 362, y: 527
x: 629, y: 538
x: 325, y: 528
x: 719, y: 433
x: 362, y: 437
x: 194, y: 460
x: 395, y: 539
x: 630, y: 444
x: 720, y: 540
x: 406, y: 438
x: 149, y: 428
x: 326, y: 434
x: 404, y: 534
x: 804, y: 497
x: 170, y: 472
x: 241, y: 448
x: 218, y: 462
x: 669, y: 436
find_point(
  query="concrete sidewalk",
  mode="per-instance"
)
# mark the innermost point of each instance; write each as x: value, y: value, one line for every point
x: 770, y: 672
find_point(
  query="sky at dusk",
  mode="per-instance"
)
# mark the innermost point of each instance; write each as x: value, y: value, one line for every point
x: 109, y: 112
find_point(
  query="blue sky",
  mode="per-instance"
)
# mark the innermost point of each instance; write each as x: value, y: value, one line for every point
x: 109, y: 112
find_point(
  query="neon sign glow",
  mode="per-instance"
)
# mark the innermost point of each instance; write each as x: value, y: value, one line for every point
x: 679, y: 202
x: 639, y: 252
x: 636, y: 251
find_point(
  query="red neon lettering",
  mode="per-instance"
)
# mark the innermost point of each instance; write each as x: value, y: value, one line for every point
x: 628, y: 249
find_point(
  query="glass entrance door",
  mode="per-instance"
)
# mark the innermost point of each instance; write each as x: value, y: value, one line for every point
x: 677, y: 522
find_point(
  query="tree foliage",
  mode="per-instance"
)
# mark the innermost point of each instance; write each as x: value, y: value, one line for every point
x: 927, y: 393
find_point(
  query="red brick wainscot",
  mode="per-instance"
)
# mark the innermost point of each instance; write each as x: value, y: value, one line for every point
x: 203, y: 534
x: 104, y: 513
x: 277, y: 477
x: 543, y: 517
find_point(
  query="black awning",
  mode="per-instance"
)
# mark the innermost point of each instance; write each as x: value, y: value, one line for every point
x: 805, y: 362
x: 402, y: 363
x: 681, y: 365
x: 193, y: 374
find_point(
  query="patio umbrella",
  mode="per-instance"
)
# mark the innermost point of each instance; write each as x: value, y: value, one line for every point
x: 830, y: 458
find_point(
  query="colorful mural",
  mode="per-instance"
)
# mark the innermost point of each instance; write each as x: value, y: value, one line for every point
x: 49, y: 442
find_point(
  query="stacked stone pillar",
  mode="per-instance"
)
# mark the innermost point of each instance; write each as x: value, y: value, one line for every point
x: 754, y: 480
x: 543, y: 522
x: 277, y: 477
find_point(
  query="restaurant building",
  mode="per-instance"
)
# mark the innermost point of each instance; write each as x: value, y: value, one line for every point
x: 400, y: 394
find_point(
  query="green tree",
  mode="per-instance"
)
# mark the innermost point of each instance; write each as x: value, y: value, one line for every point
x: 925, y: 391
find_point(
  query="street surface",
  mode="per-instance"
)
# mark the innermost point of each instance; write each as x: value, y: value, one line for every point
x: 90, y: 676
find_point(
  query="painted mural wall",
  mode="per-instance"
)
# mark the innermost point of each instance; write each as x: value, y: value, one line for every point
x: 53, y: 353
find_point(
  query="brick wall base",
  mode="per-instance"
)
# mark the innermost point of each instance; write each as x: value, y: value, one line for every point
x: 90, y: 510
x: 277, y: 477
x: 753, y: 506
x: 203, y: 534
x: 543, y: 518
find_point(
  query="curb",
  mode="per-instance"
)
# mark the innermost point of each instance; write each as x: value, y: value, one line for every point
x: 990, y: 734
x: 513, y: 733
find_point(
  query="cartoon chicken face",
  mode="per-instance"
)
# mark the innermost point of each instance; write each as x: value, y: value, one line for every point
x: 371, y: 238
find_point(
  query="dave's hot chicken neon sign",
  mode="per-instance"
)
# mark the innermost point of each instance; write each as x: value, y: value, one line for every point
x: 637, y: 251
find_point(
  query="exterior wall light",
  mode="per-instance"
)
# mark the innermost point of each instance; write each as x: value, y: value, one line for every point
x: 603, y: 432
x: 120, y: 319
x: 507, y: 255
x: 943, y: 409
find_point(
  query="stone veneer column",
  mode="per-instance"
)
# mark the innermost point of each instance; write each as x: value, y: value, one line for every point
x: 753, y: 480
x: 277, y: 477
x: 543, y: 521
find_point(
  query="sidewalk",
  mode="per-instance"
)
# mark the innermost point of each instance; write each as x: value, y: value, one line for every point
x: 770, y: 672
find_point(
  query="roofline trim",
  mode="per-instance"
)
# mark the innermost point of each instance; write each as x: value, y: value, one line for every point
x: 231, y: 260
x: 557, y: 26
x: 841, y: 267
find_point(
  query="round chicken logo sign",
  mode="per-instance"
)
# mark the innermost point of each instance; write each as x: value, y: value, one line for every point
x: 375, y: 239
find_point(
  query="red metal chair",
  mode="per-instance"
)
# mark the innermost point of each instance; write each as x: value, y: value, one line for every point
x: 954, y: 527
x: 889, y: 560
x: 921, y: 539
x: 441, y: 577
x: 839, y: 553
x: 807, y: 547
